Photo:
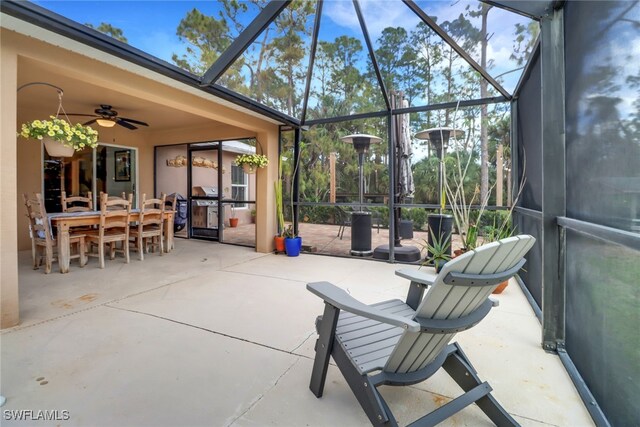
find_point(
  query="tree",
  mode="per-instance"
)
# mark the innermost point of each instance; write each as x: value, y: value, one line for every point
x: 526, y: 36
x: 207, y: 37
x: 341, y: 83
x: 109, y: 30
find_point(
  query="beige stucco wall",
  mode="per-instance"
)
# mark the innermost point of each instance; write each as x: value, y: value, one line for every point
x: 21, y: 160
x: 9, y: 310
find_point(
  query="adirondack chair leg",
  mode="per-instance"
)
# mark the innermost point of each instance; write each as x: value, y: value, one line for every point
x: 326, y: 332
x: 460, y: 369
x: 365, y: 391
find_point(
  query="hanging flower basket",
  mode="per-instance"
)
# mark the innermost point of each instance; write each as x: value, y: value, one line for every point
x: 250, y: 163
x: 57, y: 148
x: 61, y: 139
x: 249, y: 169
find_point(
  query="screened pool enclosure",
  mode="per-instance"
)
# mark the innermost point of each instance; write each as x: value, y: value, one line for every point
x: 541, y: 103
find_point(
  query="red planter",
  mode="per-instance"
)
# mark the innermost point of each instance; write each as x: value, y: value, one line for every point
x: 233, y: 222
x: 279, y: 242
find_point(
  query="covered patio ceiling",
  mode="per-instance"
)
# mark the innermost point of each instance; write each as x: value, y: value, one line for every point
x: 82, y: 96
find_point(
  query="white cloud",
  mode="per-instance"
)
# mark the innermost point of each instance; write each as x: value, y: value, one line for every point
x: 378, y: 15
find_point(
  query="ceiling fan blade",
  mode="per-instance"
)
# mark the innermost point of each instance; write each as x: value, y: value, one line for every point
x: 138, y: 122
x: 90, y: 122
x: 125, y: 124
x: 84, y: 115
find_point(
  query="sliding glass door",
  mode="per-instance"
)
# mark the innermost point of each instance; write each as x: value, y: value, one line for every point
x: 108, y: 169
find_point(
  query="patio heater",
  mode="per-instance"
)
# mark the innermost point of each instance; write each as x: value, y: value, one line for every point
x: 440, y: 224
x: 361, y: 220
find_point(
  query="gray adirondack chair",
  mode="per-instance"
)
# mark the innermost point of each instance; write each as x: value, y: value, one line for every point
x: 403, y: 343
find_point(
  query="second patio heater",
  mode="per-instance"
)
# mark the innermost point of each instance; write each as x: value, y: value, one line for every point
x: 361, y: 220
x: 440, y: 224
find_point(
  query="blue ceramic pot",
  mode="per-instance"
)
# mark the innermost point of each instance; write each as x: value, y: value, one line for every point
x: 293, y: 245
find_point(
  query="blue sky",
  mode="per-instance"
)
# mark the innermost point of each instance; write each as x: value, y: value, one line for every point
x: 151, y: 25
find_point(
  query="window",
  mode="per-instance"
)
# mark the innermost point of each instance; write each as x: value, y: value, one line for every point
x: 239, y: 185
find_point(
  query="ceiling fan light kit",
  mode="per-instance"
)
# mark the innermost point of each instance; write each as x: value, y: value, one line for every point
x: 107, y: 123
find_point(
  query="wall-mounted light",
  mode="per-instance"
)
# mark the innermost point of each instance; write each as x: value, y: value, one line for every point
x: 107, y: 123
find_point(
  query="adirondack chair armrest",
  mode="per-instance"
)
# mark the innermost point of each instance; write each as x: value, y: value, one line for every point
x: 338, y: 298
x: 420, y: 277
x: 459, y: 324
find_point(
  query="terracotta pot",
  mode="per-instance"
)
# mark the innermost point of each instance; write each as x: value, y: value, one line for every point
x: 501, y: 287
x: 233, y: 222
x: 279, y: 242
x: 57, y: 149
x: 458, y: 252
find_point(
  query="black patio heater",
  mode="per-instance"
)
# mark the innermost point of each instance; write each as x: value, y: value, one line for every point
x: 440, y: 224
x: 361, y: 220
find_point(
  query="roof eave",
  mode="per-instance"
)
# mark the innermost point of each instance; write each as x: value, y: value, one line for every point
x: 44, y: 18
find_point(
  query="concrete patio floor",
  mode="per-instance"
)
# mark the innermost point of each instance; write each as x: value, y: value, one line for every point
x: 219, y: 335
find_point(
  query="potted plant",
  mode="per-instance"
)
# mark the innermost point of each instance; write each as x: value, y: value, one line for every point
x: 438, y: 250
x: 60, y: 138
x: 292, y: 242
x: 233, y: 220
x: 279, y: 238
x: 251, y: 162
x: 253, y: 216
x: 498, y: 232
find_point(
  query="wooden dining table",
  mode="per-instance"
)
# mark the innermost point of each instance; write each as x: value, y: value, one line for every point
x: 64, y: 221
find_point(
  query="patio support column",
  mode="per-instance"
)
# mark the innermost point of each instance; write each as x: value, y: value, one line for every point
x: 553, y: 179
x: 266, y: 223
x: 9, y: 309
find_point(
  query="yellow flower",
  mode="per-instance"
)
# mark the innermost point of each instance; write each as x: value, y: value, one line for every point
x: 56, y: 127
x: 82, y: 136
x: 51, y: 133
x: 82, y: 144
x: 37, y: 123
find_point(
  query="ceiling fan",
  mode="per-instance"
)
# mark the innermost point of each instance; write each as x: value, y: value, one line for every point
x: 106, y: 116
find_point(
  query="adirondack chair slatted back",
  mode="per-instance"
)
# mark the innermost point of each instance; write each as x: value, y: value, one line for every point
x: 450, y: 301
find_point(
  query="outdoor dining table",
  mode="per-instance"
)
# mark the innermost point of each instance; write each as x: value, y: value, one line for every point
x: 64, y: 221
